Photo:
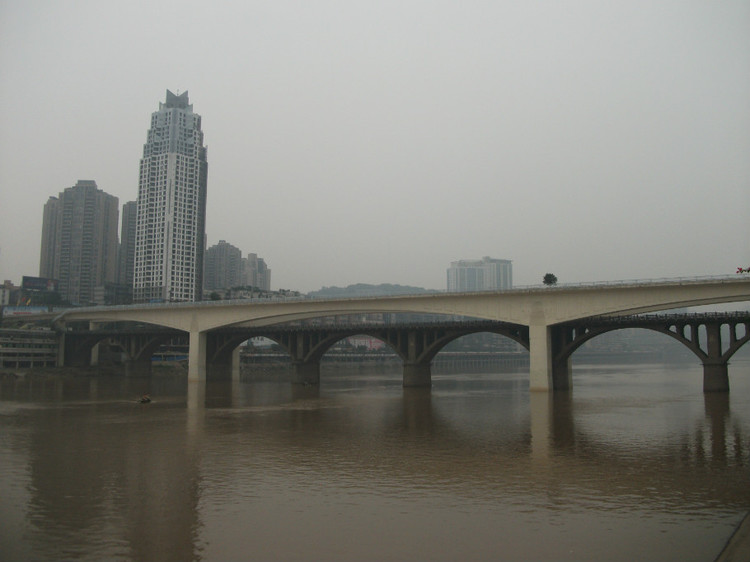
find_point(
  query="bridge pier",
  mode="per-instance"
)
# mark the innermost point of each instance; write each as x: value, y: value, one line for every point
x: 715, y: 371
x: 715, y: 377
x: 197, y: 357
x: 562, y: 374
x: 61, y: 349
x: 540, y: 358
x: 228, y: 368
x: 306, y: 373
x: 138, y: 367
x: 219, y: 371
x: 417, y: 375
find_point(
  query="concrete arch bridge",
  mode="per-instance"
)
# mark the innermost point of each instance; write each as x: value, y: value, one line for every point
x: 551, y: 322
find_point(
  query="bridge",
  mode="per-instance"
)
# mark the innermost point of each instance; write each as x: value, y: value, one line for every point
x: 551, y: 322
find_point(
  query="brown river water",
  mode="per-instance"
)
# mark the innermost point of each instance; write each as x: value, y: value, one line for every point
x: 636, y: 463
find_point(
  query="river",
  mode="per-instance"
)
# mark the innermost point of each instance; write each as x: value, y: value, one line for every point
x: 636, y: 463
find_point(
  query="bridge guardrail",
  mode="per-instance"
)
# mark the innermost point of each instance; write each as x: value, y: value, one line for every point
x: 517, y: 288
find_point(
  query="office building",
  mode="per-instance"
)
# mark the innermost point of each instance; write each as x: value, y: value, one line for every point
x: 486, y: 274
x: 171, y: 215
x: 79, y: 241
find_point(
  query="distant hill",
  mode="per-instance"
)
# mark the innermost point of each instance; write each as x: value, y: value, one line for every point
x: 365, y: 290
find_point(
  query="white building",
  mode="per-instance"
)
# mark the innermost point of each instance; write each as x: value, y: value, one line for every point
x: 480, y: 275
x: 171, y: 216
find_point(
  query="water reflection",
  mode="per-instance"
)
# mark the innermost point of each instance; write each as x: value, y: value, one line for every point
x: 228, y: 470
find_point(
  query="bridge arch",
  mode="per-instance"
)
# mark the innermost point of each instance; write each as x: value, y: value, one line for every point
x: 415, y: 344
x: 701, y: 334
x: 80, y: 349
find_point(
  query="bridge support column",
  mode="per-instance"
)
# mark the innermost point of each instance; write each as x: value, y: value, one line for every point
x: 197, y: 357
x: 236, y: 364
x: 417, y: 375
x: 715, y: 371
x: 219, y: 371
x: 94, y: 359
x: 138, y: 367
x: 715, y: 377
x: 561, y: 364
x: 540, y: 358
x: 61, y: 349
x: 562, y: 374
x: 306, y: 372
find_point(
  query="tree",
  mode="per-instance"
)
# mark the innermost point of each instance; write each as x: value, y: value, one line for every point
x: 550, y: 279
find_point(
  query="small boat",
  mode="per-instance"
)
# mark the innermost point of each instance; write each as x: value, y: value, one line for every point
x: 145, y: 399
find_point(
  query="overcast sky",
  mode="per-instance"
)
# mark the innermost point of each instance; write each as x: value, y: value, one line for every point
x: 376, y: 142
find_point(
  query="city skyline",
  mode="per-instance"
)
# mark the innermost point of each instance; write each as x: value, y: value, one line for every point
x: 379, y: 144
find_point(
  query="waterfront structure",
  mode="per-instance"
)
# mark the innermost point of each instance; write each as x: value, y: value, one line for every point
x: 256, y: 272
x: 79, y: 241
x: 171, y: 208
x: 27, y: 348
x: 486, y: 274
x: 223, y: 267
x: 550, y: 323
x: 126, y: 257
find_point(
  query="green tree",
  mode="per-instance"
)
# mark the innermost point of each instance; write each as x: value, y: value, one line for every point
x: 550, y: 279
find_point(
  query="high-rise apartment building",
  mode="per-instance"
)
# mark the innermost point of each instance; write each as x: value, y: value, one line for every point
x: 480, y: 275
x: 223, y: 268
x: 49, y: 238
x: 79, y: 241
x: 171, y: 216
x: 126, y: 257
x: 257, y: 273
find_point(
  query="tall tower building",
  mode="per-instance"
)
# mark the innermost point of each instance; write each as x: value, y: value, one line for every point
x: 49, y: 238
x: 171, y: 217
x: 480, y: 275
x: 126, y: 257
x: 79, y: 241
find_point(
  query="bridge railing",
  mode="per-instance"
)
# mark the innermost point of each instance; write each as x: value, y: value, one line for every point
x: 662, y: 317
x: 516, y: 289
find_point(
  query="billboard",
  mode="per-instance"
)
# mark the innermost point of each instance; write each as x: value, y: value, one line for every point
x: 39, y: 284
x: 15, y: 311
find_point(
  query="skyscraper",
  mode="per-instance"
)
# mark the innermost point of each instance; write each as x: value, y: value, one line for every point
x: 79, y: 241
x: 171, y: 217
x: 126, y: 257
x: 480, y: 275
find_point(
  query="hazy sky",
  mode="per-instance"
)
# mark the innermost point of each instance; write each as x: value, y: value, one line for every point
x: 376, y: 142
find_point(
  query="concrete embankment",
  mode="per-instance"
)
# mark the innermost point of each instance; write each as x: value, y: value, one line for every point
x: 738, y: 547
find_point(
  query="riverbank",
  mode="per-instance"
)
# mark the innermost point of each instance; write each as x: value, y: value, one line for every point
x: 738, y: 546
x: 167, y: 368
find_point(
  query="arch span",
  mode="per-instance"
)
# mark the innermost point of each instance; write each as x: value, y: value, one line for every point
x: 415, y: 344
x: 686, y: 329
